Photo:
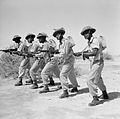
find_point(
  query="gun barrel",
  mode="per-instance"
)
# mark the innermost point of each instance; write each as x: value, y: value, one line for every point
x: 9, y: 50
x: 43, y: 50
x: 5, y: 51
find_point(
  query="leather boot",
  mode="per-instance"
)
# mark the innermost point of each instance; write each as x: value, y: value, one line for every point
x: 64, y: 94
x: 104, y: 95
x: 52, y: 83
x: 95, y: 101
x: 34, y: 85
x: 19, y: 82
x: 45, y: 89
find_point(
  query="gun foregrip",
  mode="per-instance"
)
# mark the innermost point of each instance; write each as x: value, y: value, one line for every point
x: 77, y: 54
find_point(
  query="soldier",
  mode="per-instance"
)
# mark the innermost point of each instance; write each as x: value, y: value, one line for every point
x: 67, y: 71
x: 40, y: 60
x: 95, y: 55
x: 50, y: 67
x: 17, y: 41
x: 25, y: 64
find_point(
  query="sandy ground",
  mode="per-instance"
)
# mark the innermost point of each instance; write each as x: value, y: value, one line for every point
x: 25, y: 103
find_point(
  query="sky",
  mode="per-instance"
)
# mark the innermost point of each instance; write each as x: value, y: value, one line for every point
x: 20, y: 17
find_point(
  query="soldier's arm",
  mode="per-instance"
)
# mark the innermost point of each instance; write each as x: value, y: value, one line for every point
x: 92, y: 53
x: 45, y: 48
x: 21, y: 47
x: 95, y: 48
x: 65, y: 51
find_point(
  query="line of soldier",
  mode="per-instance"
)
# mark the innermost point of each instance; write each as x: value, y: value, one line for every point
x: 94, y: 54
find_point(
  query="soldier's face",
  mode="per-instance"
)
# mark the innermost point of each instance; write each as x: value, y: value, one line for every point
x: 30, y: 40
x: 17, y: 41
x: 59, y: 36
x: 87, y: 35
x: 41, y: 39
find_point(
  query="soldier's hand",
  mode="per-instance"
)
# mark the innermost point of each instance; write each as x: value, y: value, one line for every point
x: 30, y: 55
x: 85, y: 57
x: 77, y: 54
x: 11, y: 53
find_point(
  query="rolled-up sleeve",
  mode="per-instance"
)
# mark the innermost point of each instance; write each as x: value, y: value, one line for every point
x: 45, y: 47
x: 95, y: 43
x: 21, y: 47
x: 65, y: 50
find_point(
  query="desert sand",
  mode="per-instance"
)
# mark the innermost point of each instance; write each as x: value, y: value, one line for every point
x: 25, y: 103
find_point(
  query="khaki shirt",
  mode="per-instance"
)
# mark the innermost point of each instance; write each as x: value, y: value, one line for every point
x: 44, y: 55
x: 16, y: 45
x: 35, y: 48
x: 94, y: 43
x: 27, y: 48
x: 65, y: 49
x: 23, y: 48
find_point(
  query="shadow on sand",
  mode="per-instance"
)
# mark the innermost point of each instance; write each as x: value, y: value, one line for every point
x: 81, y: 91
x: 112, y: 96
x: 54, y: 88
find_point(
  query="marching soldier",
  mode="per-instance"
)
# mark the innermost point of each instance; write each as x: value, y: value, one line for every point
x: 67, y: 71
x: 50, y: 67
x: 17, y: 41
x: 95, y: 55
x: 25, y: 64
x: 40, y: 60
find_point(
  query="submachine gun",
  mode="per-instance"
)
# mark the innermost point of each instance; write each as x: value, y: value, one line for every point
x: 30, y: 54
x: 14, y: 51
x: 77, y: 54
x: 9, y: 50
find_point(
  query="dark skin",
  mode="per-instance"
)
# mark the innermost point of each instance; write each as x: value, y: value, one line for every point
x: 42, y: 39
x: 88, y: 35
x: 30, y: 40
x: 59, y: 37
x: 17, y: 41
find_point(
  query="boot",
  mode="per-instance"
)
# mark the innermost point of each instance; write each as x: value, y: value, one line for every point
x: 45, y: 89
x: 94, y: 102
x: 52, y: 83
x: 74, y: 89
x: 34, y: 85
x: 19, y: 82
x: 29, y: 81
x: 104, y: 95
x: 64, y: 94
